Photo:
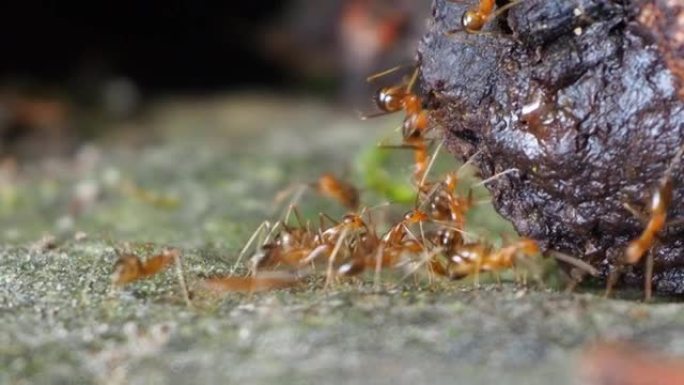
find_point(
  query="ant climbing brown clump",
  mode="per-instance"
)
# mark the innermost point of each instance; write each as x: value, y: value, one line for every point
x: 657, y: 221
x: 416, y: 124
x: 475, y: 18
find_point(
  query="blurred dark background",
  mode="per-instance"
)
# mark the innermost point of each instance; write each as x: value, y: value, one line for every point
x: 65, y: 60
x: 171, y: 45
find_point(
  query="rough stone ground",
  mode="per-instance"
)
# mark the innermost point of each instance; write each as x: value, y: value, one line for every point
x: 217, y: 165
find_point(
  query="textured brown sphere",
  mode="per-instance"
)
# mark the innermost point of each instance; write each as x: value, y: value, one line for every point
x: 582, y: 98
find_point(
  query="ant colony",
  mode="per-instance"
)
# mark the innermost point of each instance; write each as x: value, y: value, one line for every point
x: 430, y: 240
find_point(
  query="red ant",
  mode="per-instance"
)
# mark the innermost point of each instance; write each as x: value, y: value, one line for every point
x: 637, y: 248
x: 327, y: 185
x: 330, y: 186
x: 129, y: 268
x: 445, y: 204
x: 290, y: 246
x: 398, y: 98
x: 473, y: 258
x: 660, y: 201
x: 510, y: 256
x: 416, y: 122
x: 386, y: 251
x: 396, y: 234
x: 475, y: 18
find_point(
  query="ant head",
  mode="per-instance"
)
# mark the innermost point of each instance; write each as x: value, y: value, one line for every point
x: 473, y: 21
x: 126, y: 269
x: 415, y: 216
x: 451, y: 180
x: 353, y: 221
x: 389, y: 99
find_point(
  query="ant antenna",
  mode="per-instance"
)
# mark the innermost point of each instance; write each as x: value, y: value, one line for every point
x: 504, y: 8
x: 495, y: 176
x: 378, y: 266
x: 363, y: 116
x: 413, y: 80
x: 432, y: 162
x: 180, y: 272
x: 470, y: 160
x: 385, y: 72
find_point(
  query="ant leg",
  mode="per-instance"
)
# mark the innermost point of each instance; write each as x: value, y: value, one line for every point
x: 378, y: 267
x: 286, y: 217
x: 497, y: 278
x: 503, y: 9
x: 413, y: 80
x: 430, y: 165
x: 385, y: 72
x: 636, y: 213
x: 427, y: 256
x: 296, y: 197
x: 576, y: 276
x: 252, y: 238
x: 576, y: 262
x: 293, y: 209
x: 180, y: 271
x: 450, y: 226
x: 298, y: 216
x: 363, y: 116
x: 495, y: 176
x: 430, y: 193
x: 648, y: 277
x: 273, y: 230
x: 613, y: 277
x: 476, y: 279
x: 314, y: 254
x: 333, y: 255
x: 323, y: 216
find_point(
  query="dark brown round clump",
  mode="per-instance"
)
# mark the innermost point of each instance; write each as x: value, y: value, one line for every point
x: 581, y: 97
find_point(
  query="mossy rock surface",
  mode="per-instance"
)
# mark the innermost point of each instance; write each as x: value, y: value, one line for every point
x: 204, y: 175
